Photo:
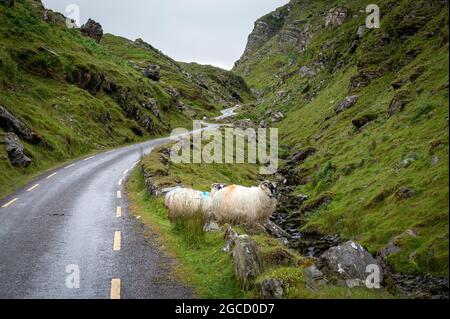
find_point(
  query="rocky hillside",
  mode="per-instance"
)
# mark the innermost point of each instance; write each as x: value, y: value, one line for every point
x: 67, y: 92
x: 363, y: 119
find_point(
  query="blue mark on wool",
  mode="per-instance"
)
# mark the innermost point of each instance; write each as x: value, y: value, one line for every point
x: 205, y: 194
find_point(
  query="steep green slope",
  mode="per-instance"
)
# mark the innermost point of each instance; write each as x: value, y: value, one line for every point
x: 79, y: 96
x: 383, y: 158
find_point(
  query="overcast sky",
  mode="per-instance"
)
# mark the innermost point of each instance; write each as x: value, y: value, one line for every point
x: 204, y: 31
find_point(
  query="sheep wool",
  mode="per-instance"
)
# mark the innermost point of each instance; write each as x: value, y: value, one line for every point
x: 238, y: 204
x: 185, y: 203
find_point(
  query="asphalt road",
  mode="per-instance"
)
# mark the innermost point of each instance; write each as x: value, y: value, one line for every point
x: 68, y: 220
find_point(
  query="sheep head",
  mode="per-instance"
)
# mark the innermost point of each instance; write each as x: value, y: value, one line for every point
x: 269, y: 188
x: 217, y: 187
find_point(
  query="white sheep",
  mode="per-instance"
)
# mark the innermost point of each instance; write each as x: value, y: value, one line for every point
x: 239, y: 204
x: 185, y: 203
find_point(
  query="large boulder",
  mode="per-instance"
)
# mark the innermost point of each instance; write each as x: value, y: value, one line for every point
x: 15, y: 151
x: 349, y: 262
x: 348, y: 102
x: 247, y: 261
x: 9, y: 123
x: 92, y: 30
x: 336, y: 17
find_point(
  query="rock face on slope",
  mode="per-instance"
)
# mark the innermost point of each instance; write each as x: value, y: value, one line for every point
x: 265, y: 28
x: 336, y: 17
x: 92, y: 30
x: 9, y: 123
x: 15, y: 151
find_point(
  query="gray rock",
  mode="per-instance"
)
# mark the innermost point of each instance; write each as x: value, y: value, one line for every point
x: 358, y: 37
x: 271, y: 289
x: 11, y: 124
x: 152, y: 105
x: 8, y: 3
x: 275, y: 230
x: 313, y: 273
x: 15, y: 151
x: 349, y: 261
x: 404, y: 193
x: 92, y: 30
x: 247, y: 261
x: 398, y: 103
x: 275, y: 115
x: 152, y: 71
x: 348, y: 102
x: 211, y: 227
x: 393, y: 246
x: 307, y: 72
x: 336, y: 17
x: 230, y: 235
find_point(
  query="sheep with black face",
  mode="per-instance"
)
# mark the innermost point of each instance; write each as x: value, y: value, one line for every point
x: 239, y: 204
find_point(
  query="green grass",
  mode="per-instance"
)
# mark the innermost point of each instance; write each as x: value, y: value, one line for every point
x: 363, y: 170
x: 199, y: 254
x: 199, y: 257
x: 38, y: 61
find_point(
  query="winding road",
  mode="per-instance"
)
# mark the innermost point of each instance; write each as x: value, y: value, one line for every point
x: 72, y: 226
x: 68, y: 235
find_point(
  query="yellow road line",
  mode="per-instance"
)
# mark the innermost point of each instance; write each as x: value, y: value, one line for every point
x: 119, y: 194
x: 71, y: 165
x: 48, y: 177
x: 115, y: 289
x: 119, y: 212
x: 10, y: 203
x: 117, y: 241
x: 32, y: 188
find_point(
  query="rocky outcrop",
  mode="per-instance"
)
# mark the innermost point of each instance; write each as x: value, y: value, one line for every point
x: 271, y: 289
x: 92, y: 30
x: 336, y: 17
x: 307, y: 72
x: 15, y: 151
x: 349, y: 262
x: 152, y: 71
x: 87, y: 79
x: 275, y: 115
x: 357, y: 39
x: 247, y: 261
x: 152, y: 105
x: 134, y: 112
x: 301, y: 155
x: 360, y: 122
x: 348, y: 102
x: 265, y: 29
x: 398, y: 103
x: 9, y: 123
